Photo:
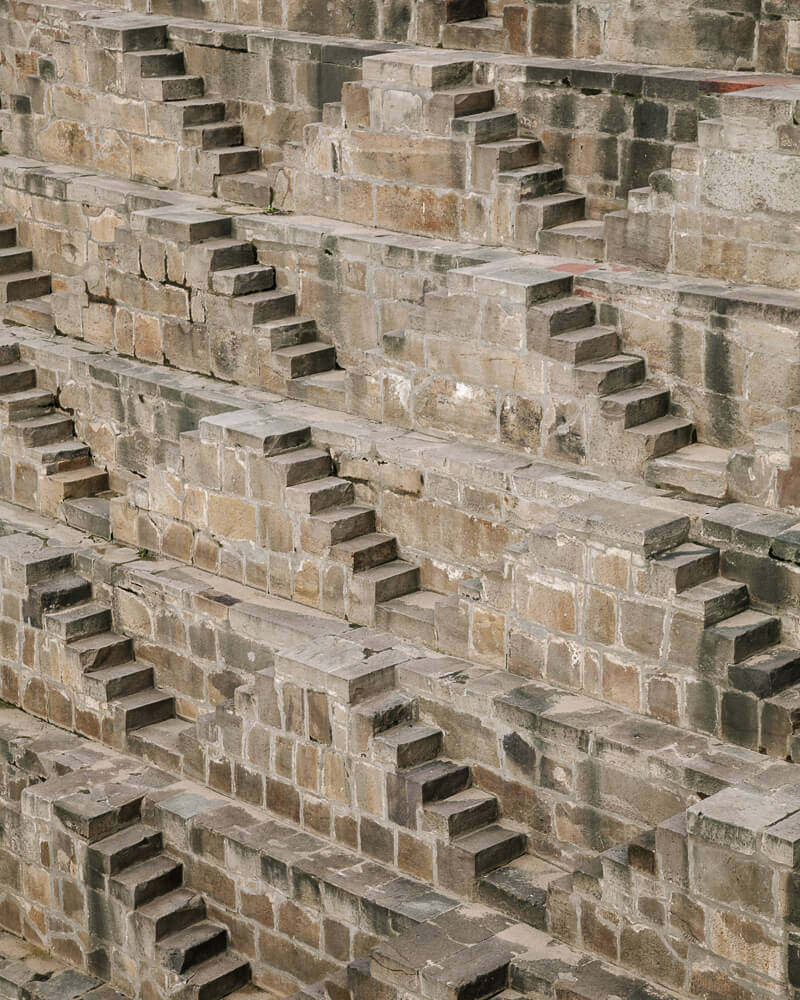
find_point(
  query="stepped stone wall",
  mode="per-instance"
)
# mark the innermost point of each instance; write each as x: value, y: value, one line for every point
x: 399, y: 504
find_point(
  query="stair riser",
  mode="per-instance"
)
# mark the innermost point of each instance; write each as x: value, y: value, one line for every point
x: 179, y: 960
x: 19, y: 260
x: 311, y: 363
x: 91, y: 624
x: 132, y: 683
x: 14, y: 289
x: 148, y: 715
x: 50, y: 433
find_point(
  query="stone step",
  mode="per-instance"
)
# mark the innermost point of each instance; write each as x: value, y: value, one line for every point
x: 8, y: 236
x: 287, y: 332
x: 243, y: 280
x: 455, y: 102
x: 97, y: 652
x: 464, y: 10
x: 464, y: 812
x: 536, y: 181
x: 124, y: 849
x: 168, y: 914
x: 145, y: 708
x: 408, y: 745
x: 385, y: 582
x: 13, y: 259
x: 319, y: 495
x: 366, y: 551
x: 663, y: 435
x: 215, y: 979
x: 410, y: 616
x: 25, y: 403
x: 119, y: 680
x: 519, y: 889
x: 61, y: 591
x: 683, y: 567
x: 43, y: 429
x: 234, y: 159
x: 17, y: 377
x: 434, y: 780
x: 159, y: 743
x: 78, y: 621
x: 146, y: 880
x: 34, y: 313
x: 172, y: 88
x: 698, y: 470
x: 742, y: 635
x: 483, y: 34
x: 607, y: 375
x: 253, y: 187
x: 588, y: 344
x: 330, y: 527
x: 635, y: 406
x: 561, y: 315
x: 303, y: 359
x: 74, y: 483
x: 183, y: 949
x: 486, y: 126
x: 553, y: 210
x: 224, y: 253
x: 714, y: 600
x: 492, y: 158
x: 486, y: 849
x: 60, y: 456
x: 200, y: 111
x: 150, y: 63
x: 183, y: 225
x: 123, y: 35
x: 768, y: 673
x: 326, y: 389
x: 308, y: 465
x: 584, y: 239
x: 215, y: 135
x: 89, y: 514
x: 263, y: 307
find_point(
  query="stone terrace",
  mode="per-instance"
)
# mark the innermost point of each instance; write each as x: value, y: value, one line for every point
x: 399, y: 504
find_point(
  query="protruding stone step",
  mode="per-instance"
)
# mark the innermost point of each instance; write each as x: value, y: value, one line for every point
x: 714, y: 600
x: 486, y: 126
x: 535, y: 181
x: 172, y: 88
x: 96, y: 652
x: 215, y: 978
x: 15, y: 259
x: 390, y: 580
x: 86, y: 481
x: 663, y: 435
x: 261, y: 307
x: 489, y: 848
x: 409, y: 745
x: 519, y: 889
x: 560, y: 315
x: 24, y: 285
x: 234, y: 159
x: 34, y: 313
x: 291, y: 468
x: 168, y: 914
x: 483, y: 34
x: 410, y: 616
x: 89, y: 514
x: 80, y: 620
x: 243, y: 280
x: 59, y: 456
x: 287, y: 332
x: 253, y: 187
x: 24, y: 403
x: 183, y: 949
x: 8, y: 236
x: 43, y: 429
x: 156, y: 62
x: 552, y: 210
x: 61, y: 591
x: 118, y: 681
x: 319, y: 495
x: 588, y: 344
x: 635, y: 406
x: 683, y: 567
x: 145, y: 708
x: 330, y: 527
x: 199, y: 111
x: 742, y: 635
x: 366, y: 551
x: 492, y: 158
x: 159, y: 743
x: 768, y: 673
x: 608, y: 375
x: 303, y: 359
x: 17, y: 377
x: 146, y: 880
x: 697, y: 469
x: 327, y: 389
x: 584, y: 239
x: 183, y: 225
x: 461, y: 813
x: 437, y: 779
x: 215, y: 135
x: 129, y: 847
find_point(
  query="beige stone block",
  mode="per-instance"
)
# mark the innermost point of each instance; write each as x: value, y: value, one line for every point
x: 231, y: 518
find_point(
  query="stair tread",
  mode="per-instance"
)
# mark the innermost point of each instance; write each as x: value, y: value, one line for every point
x: 78, y: 611
x: 661, y: 425
x: 164, y: 734
x: 151, y: 868
x: 363, y: 542
x: 585, y: 333
x: 486, y: 837
x: 387, y: 570
x: 213, y: 968
x: 583, y: 227
x: 299, y: 350
x: 124, y: 838
x: 150, y: 696
x: 636, y: 393
x: 75, y: 475
x: 170, y: 902
x: 400, y: 735
x: 117, y: 670
x: 697, y: 456
x: 193, y: 934
x: 461, y: 801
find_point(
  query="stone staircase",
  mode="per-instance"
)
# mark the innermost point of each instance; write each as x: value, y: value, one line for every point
x: 24, y: 292
x: 214, y: 143
x: 167, y: 919
x: 49, y: 468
